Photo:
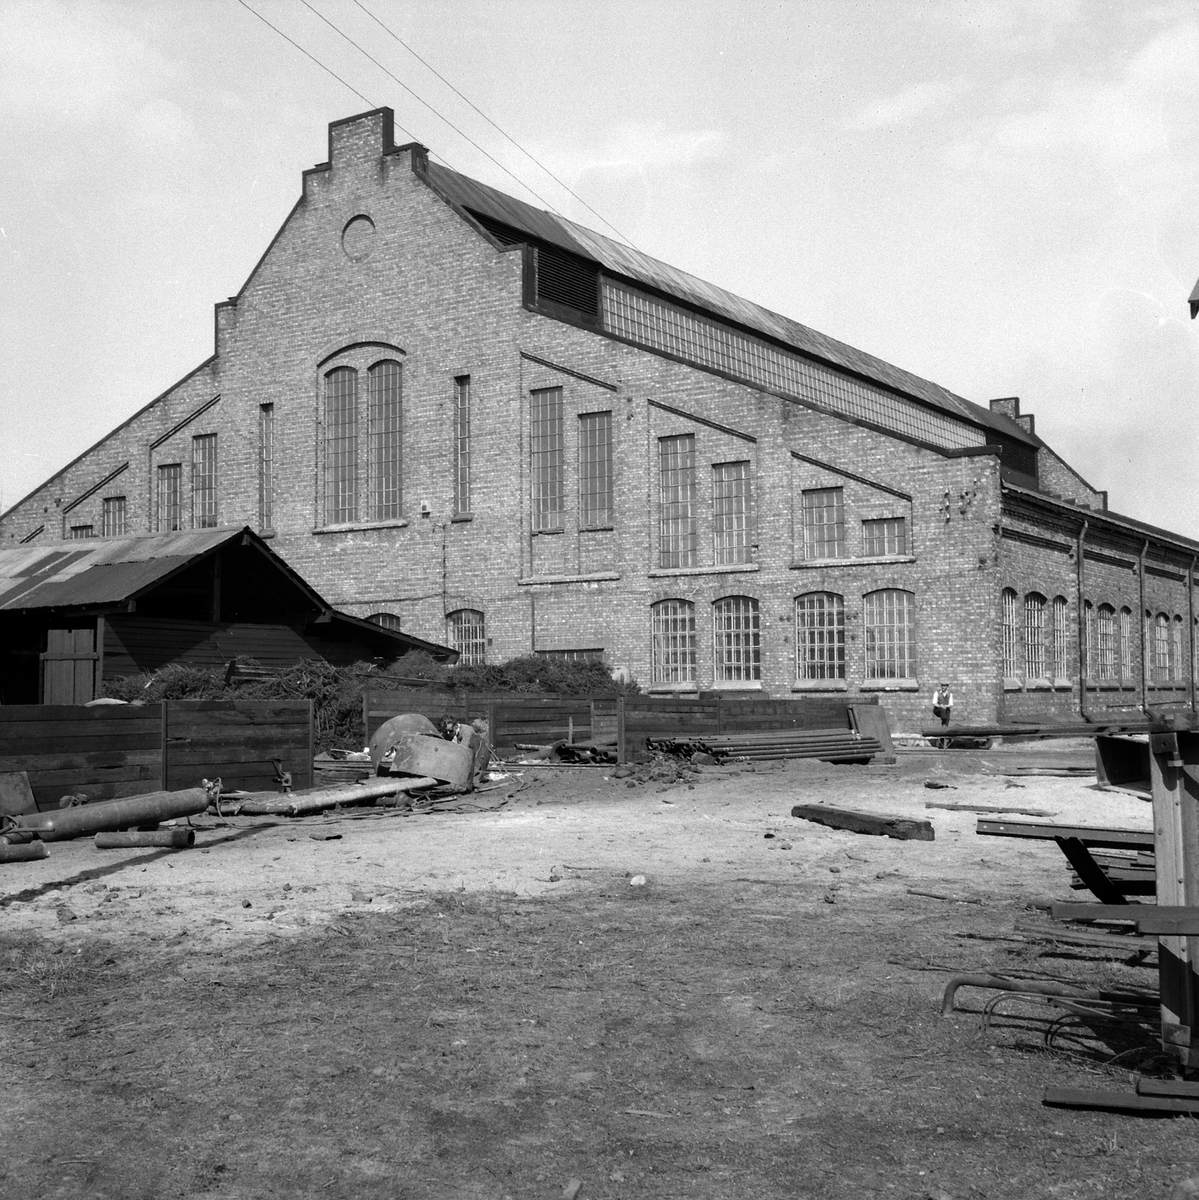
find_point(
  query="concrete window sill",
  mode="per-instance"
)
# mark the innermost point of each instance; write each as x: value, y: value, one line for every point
x: 597, y: 577
x: 889, y: 685
x: 358, y: 526
x: 873, y: 560
x: 661, y: 572
x: 737, y: 685
x: 673, y: 689
x: 820, y: 685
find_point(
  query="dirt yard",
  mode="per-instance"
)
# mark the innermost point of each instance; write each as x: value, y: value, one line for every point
x: 649, y: 987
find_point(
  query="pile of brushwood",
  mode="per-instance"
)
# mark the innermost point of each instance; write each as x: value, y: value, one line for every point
x: 336, y: 692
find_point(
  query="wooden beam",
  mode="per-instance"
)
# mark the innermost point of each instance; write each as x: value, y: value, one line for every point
x: 878, y: 824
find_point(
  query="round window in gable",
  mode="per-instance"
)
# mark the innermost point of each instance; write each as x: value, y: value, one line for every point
x: 358, y: 238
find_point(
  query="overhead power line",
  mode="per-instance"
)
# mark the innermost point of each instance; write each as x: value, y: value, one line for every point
x: 466, y: 99
x: 430, y: 107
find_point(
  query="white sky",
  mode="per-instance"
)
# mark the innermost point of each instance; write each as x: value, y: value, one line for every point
x: 999, y: 195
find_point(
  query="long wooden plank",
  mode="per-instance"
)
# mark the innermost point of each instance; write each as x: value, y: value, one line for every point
x: 1160, y: 920
x: 1088, y: 835
x: 93, y: 760
x: 39, y: 713
x: 37, y: 747
x: 879, y: 824
x: 1105, y: 1101
x: 1168, y: 1087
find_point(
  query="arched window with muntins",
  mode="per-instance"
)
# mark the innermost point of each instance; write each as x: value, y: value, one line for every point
x: 1177, y: 662
x: 1126, y: 656
x: 673, y: 641
x: 889, y: 620
x: 819, y: 636
x: 384, y: 440
x: 1089, y: 640
x: 341, y: 446
x: 736, y: 646
x: 385, y: 620
x: 1011, y: 634
x: 1161, y: 648
x: 1105, y: 643
x: 1061, y: 617
x: 1034, y: 636
x: 466, y: 632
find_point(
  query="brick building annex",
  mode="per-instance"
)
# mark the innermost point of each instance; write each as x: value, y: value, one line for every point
x: 486, y: 425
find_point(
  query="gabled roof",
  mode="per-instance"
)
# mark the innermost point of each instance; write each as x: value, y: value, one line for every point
x: 95, y: 572
x: 622, y: 260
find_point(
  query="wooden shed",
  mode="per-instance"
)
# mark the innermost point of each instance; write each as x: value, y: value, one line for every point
x: 83, y: 612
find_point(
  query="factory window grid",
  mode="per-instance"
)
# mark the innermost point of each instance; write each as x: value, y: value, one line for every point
x: 169, y: 498
x: 341, y: 446
x: 204, y: 481
x: 657, y: 325
x: 82, y: 531
x: 1105, y: 644
x: 385, y: 620
x: 385, y: 440
x: 824, y: 522
x: 593, y: 655
x: 1061, y: 613
x: 113, y: 517
x: 547, y: 454
x: 673, y: 641
x: 819, y: 636
x: 461, y: 445
x: 1011, y: 634
x: 266, y: 466
x: 885, y: 535
x: 467, y: 633
x: 1161, y: 648
x: 1126, y: 644
x: 889, y: 620
x: 595, y: 470
x: 1176, y: 658
x: 731, y: 513
x: 736, y: 643
x: 677, y: 531
x: 1034, y: 636
x: 1089, y: 639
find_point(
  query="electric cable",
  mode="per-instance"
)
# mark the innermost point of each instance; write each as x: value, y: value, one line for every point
x: 566, y: 187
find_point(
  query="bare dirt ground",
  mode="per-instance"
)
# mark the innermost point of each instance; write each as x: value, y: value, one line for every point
x: 485, y: 1005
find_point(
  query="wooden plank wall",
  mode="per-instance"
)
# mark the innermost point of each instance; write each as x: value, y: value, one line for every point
x: 117, y: 750
x: 103, y: 752
x: 237, y: 741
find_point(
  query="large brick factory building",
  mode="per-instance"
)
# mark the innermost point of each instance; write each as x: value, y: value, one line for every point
x: 479, y: 422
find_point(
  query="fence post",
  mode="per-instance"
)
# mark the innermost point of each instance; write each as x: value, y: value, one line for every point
x: 621, y: 757
x: 163, y: 727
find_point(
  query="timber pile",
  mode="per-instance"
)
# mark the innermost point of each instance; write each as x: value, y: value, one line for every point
x: 828, y: 745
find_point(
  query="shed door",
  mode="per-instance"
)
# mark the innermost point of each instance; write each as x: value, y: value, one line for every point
x: 69, y: 666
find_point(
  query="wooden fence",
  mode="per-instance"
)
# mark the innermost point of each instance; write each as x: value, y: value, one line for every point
x: 515, y: 720
x: 126, y: 750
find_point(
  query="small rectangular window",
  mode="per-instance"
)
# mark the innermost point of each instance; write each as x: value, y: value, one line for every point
x: 595, y: 470
x: 82, y: 531
x: 888, y: 535
x: 593, y: 655
x: 266, y: 466
x: 169, y: 507
x: 730, y: 513
x: 677, y: 532
x: 462, y: 445
x: 204, y: 490
x: 113, y: 522
x: 546, y: 449
x: 824, y: 522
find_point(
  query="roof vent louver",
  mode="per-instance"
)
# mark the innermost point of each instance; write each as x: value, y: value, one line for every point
x: 568, y: 280
x: 504, y: 234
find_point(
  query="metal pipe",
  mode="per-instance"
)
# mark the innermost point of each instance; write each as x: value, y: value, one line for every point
x: 296, y: 803
x: 104, y: 815
x: 25, y: 853
x: 1037, y: 987
x: 1083, y: 648
x: 181, y: 839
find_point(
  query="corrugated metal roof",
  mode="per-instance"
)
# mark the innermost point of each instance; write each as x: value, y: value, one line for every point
x: 98, y: 571
x: 623, y: 260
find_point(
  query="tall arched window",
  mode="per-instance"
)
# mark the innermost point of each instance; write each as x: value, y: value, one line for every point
x: 736, y: 647
x: 1011, y: 634
x: 341, y: 446
x: 1061, y: 616
x: 1177, y: 662
x: 673, y: 641
x: 1105, y: 642
x: 1126, y: 643
x: 384, y: 441
x: 819, y: 636
x: 889, y: 618
x: 1161, y: 648
x: 1088, y: 625
x: 466, y: 633
x: 1034, y: 636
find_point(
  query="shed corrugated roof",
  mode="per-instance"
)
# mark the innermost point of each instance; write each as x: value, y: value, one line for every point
x: 100, y: 571
x: 624, y: 260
